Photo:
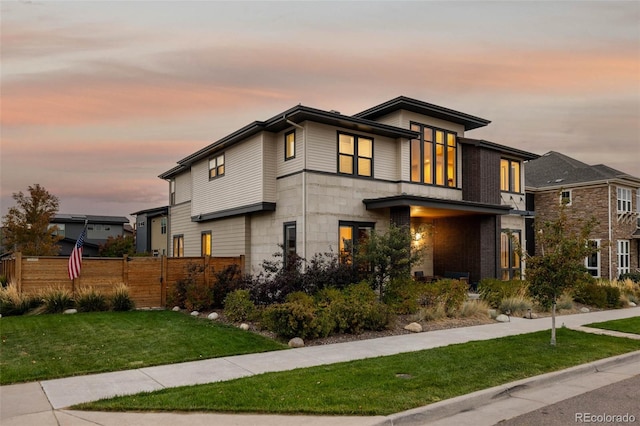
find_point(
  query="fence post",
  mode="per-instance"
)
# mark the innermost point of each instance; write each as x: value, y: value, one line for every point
x: 18, y: 271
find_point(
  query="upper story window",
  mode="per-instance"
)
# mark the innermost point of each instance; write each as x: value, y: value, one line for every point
x: 290, y: 145
x: 172, y: 192
x: 355, y: 155
x: 624, y: 200
x: 434, y: 156
x: 565, y: 197
x: 163, y: 226
x: 510, y: 176
x: 59, y: 231
x: 216, y: 166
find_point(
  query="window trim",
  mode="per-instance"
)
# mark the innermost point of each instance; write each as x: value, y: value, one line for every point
x: 623, y: 255
x: 562, y: 198
x: 511, y: 181
x: 598, y: 267
x: 434, y: 156
x: 514, y: 272
x: 355, y: 227
x: 179, y: 250
x: 217, y: 166
x: 286, y: 145
x: 624, y: 202
x: 172, y: 192
x: 355, y: 156
x: 204, y: 234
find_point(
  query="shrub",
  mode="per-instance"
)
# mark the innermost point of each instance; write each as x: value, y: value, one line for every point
x: 565, y: 302
x: 13, y: 302
x: 88, y: 299
x: 633, y: 276
x: 433, y: 312
x: 191, y: 292
x: 121, y: 300
x: 238, y: 306
x: 403, y: 295
x: 474, y: 309
x: 359, y: 310
x: 3, y: 280
x: 294, y: 318
x: 226, y: 281
x: 57, y: 300
x: 516, y: 305
x: 613, y: 297
x: 493, y: 290
x: 591, y: 294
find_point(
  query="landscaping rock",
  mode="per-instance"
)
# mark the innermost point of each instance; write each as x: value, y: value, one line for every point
x: 213, y: 316
x: 493, y: 313
x: 296, y: 342
x: 71, y: 311
x: 195, y: 313
x: 244, y: 326
x: 584, y: 310
x: 502, y: 318
x: 531, y: 315
x: 633, y: 305
x: 414, y: 327
x: 176, y: 309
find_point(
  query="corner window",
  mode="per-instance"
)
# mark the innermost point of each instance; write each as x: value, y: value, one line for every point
x: 178, y: 246
x: 205, y: 243
x: 434, y: 156
x: 351, y: 234
x: 592, y: 262
x: 510, y: 176
x: 355, y: 155
x: 290, y: 145
x: 289, y: 241
x: 216, y: 166
x: 565, y: 197
x: 624, y: 200
x: 510, y: 264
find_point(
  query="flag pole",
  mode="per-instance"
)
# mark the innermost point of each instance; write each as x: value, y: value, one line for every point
x: 75, y: 259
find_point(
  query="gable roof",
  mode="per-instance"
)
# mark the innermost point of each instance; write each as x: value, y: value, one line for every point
x: 80, y: 218
x: 402, y: 102
x: 554, y: 169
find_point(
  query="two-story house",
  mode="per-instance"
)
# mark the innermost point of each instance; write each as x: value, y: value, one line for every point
x: 151, y: 230
x: 610, y: 196
x: 99, y: 229
x: 313, y: 180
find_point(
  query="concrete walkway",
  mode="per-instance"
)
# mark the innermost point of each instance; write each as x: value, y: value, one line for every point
x: 43, y: 402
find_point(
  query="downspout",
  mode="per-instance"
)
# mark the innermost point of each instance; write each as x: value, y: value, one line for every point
x: 610, y: 233
x: 304, y: 189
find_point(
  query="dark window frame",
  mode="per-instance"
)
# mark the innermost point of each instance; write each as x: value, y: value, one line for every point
x: 355, y: 157
x: 179, y: 250
x: 286, y: 248
x: 434, y: 156
x: 511, y: 181
x: 286, y: 145
x: 217, y: 168
x: 513, y: 271
x: 355, y: 226
x: 203, y: 234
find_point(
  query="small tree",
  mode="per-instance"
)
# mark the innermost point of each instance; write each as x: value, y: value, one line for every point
x: 26, y: 224
x: 387, y: 257
x: 118, y: 246
x: 564, y: 244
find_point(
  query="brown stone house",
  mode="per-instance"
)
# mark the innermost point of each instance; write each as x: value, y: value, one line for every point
x: 609, y: 195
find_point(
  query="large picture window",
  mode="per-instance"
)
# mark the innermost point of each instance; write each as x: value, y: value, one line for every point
x: 434, y: 156
x: 510, y: 176
x: 510, y: 263
x: 355, y: 155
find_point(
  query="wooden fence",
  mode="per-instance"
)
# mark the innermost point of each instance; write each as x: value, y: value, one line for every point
x: 148, y: 278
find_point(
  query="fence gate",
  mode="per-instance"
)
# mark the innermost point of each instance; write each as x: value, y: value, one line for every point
x: 144, y: 276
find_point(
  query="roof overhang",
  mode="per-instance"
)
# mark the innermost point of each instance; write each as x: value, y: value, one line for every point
x: 481, y: 143
x: 435, y: 207
x: 469, y: 122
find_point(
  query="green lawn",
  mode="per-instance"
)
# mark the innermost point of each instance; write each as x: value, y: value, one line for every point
x: 50, y: 346
x: 384, y: 385
x: 628, y: 325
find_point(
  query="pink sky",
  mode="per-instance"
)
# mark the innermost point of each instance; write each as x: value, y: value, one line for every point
x: 99, y: 98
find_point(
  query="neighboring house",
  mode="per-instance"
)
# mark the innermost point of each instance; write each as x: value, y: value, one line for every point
x: 151, y: 231
x: 99, y: 229
x: 609, y: 195
x: 313, y: 181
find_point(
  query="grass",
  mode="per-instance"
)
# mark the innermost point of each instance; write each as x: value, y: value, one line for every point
x: 384, y: 385
x: 51, y: 346
x: 629, y: 325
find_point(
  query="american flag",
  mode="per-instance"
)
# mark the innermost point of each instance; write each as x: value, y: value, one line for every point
x: 75, y: 260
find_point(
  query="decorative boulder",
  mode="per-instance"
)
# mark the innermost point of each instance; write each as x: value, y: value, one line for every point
x: 296, y: 342
x: 195, y: 313
x: 213, y: 316
x: 413, y: 327
x: 584, y: 310
x: 244, y: 326
x: 71, y: 311
x: 502, y: 318
x: 632, y: 304
x: 176, y: 309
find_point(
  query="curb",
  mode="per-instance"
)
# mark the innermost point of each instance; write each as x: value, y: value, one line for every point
x: 442, y: 409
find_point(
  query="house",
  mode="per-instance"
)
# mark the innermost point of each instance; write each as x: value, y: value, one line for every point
x: 314, y: 180
x: 99, y: 229
x: 151, y: 230
x: 609, y: 195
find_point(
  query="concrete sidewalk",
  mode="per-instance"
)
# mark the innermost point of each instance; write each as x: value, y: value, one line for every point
x: 42, y: 403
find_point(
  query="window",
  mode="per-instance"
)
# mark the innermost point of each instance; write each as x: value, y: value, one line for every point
x: 172, y: 192
x: 355, y: 155
x: 205, y: 243
x: 163, y: 226
x: 351, y: 234
x: 216, y: 166
x: 290, y: 145
x: 565, y: 197
x: 624, y: 200
x: 59, y: 231
x: 289, y: 241
x: 434, y: 156
x: 510, y: 264
x: 592, y: 262
x: 510, y: 176
x: 178, y: 246
x: 623, y: 257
